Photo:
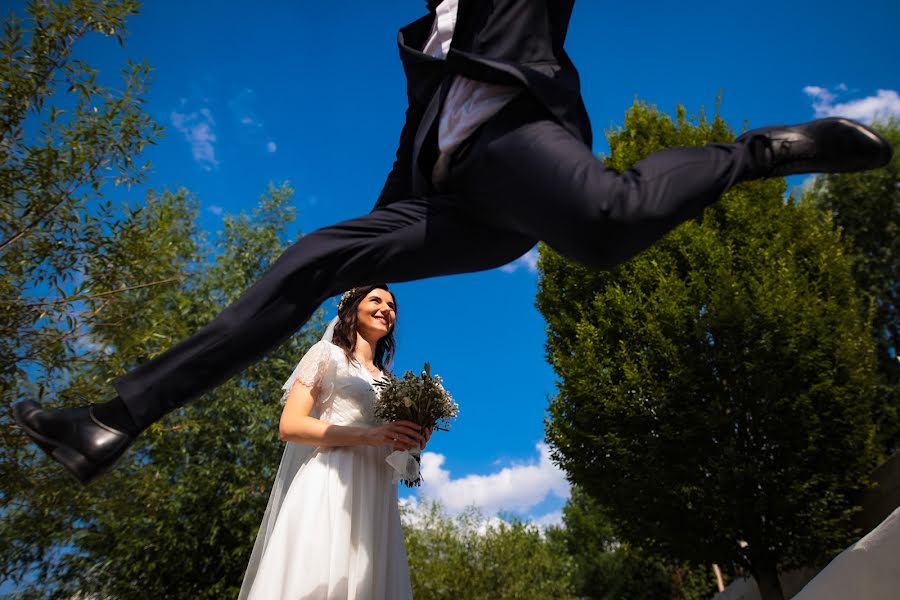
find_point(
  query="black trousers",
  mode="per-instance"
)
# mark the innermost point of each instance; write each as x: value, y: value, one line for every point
x: 522, y: 179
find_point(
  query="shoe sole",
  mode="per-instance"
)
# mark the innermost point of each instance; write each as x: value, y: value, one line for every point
x: 875, y: 137
x: 886, y: 145
x: 885, y: 157
x: 75, y: 463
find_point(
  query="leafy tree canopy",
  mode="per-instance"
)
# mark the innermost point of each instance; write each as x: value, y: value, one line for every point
x: 467, y: 557
x: 866, y: 209
x: 716, y: 391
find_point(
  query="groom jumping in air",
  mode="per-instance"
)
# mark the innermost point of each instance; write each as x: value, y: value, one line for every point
x: 495, y: 155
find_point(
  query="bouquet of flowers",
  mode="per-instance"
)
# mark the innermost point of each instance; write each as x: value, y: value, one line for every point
x: 422, y: 400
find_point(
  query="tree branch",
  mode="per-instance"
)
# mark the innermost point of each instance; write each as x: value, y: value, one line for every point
x: 101, y: 294
x: 42, y: 79
x: 63, y: 197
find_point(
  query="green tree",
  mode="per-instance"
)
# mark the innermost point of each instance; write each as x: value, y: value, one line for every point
x: 64, y: 140
x: 715, y: 391
x: 464, y: 558
x: 178, y: 516
x: 866, y: 209
x: 607, y: 569
x: 90, y: 288
x: 41, y: 508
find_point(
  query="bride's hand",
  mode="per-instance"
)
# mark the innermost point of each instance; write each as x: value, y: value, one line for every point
x: 398, y: 435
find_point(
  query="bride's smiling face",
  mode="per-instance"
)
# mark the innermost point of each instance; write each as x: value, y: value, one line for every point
x: 376, y: 314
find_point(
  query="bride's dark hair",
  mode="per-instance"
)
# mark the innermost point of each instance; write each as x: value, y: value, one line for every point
x: 345, y: 329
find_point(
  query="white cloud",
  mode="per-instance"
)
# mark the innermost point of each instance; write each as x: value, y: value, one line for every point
x: 807, y: 184
x: 528, y: 260
x: 85, y: 342
x: 415, y: 513
x: 216, y: 210
x: 516, y: 488
x: 252, y: 128
x: 885, y: 103
x: 551, y: 519
x: 198, y: 128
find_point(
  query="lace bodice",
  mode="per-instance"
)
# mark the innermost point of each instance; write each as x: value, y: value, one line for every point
x: 342, y: 390
x: 332, y: 525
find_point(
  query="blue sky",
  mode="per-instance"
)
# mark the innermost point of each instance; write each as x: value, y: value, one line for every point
x: 313, y: 93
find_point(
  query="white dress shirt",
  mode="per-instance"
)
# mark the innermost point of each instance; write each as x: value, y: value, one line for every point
x: 469, y: 103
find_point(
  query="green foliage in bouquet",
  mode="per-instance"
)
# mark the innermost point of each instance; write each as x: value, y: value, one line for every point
x: 420, y: 399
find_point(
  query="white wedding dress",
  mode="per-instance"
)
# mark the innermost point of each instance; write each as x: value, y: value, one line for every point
x: 332, y: 530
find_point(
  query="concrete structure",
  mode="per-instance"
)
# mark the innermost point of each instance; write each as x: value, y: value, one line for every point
x: 867, y: 570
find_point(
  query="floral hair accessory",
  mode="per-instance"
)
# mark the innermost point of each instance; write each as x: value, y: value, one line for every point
x: 344, y: 298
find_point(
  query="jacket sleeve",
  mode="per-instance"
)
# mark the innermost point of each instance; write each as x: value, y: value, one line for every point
x: 399, y: 181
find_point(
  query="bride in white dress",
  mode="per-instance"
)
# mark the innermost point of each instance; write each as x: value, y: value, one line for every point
x: 332, y: 526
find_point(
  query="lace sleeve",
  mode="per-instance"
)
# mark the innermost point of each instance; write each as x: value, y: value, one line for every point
x: 311, y: 369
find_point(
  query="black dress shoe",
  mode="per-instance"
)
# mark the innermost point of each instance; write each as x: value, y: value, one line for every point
x: 832, y: 145
x: 73, y: 437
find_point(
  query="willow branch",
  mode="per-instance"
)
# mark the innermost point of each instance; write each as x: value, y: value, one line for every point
x: 102, y: 294
x: 63, y: 197
x: 40, y: 80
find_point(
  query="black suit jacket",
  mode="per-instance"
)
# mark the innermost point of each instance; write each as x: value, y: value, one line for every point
x: 511, y: 42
